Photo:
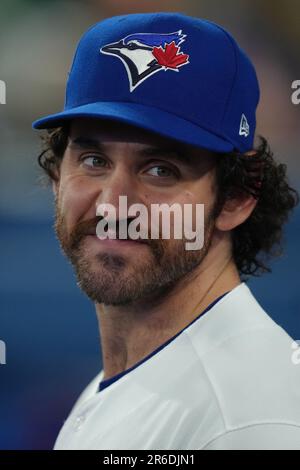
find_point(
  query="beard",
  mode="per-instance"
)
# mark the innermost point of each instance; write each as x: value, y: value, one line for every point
x: 118, y: 280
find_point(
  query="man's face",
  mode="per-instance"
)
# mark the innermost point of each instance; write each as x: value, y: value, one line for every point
x: 105, y: 160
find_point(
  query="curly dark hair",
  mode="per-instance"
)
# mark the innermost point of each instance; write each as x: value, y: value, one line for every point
x: 256, y: 240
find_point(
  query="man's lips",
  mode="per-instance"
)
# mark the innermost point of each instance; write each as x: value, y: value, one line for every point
x: 114, y: 237
x: 116, y: 242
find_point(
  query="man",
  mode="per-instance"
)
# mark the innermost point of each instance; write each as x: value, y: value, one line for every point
x: 160, y: 108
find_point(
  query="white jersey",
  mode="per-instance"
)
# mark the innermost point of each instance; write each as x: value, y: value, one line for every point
x: 227, y: 381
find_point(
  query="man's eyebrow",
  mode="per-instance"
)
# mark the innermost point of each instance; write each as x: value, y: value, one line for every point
x: 85, y: 143
x: 172, y: 153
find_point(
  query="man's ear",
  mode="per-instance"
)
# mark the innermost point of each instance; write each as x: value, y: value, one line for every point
x: 235, y: 211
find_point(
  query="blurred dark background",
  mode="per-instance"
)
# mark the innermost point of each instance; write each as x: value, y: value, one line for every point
x: 48, y: 326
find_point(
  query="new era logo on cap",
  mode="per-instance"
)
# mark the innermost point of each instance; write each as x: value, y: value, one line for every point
x: 244, y: 126
x: 145, y: 54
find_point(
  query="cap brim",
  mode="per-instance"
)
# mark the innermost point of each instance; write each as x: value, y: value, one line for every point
x: 146, y: 117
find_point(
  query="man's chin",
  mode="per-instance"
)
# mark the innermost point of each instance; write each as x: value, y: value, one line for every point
x: 126, y: 294
x: 117, y: 294
x: 111, y: 280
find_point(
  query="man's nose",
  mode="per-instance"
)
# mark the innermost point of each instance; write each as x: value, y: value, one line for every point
x: 121, y: 182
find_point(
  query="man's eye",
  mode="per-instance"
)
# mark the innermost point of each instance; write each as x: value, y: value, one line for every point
x: 93, y: 161
x: 161, y: 171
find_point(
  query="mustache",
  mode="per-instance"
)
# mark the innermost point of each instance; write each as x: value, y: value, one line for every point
x: 89, y: 227
x: 81, y: 230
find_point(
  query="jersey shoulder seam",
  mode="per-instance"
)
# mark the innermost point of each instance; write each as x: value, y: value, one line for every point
x: 210, y: 382
x: 247, y: 426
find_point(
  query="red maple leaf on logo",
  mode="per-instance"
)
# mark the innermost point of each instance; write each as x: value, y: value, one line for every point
x: 170, y: 57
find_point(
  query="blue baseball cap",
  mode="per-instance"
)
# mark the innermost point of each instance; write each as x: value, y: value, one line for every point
x: 181, y: 77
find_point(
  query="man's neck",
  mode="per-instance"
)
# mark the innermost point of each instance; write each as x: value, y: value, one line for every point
x: 129, y: 334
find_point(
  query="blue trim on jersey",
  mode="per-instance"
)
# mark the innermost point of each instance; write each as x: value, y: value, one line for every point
x: 105, y: 383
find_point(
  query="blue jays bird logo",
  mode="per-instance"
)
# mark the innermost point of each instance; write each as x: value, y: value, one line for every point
x: 144, y: 54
